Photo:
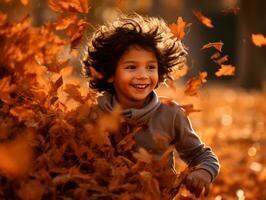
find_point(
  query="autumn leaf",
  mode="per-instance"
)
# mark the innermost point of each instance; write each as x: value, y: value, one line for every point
x: 221, y: 60
x: 22, y: 113
x: 216, y: 45
x: 25, y: 2
x: 189, y: 108
x: 232, y: 9
x: 258, y: 39
x: 143, y: 156
x: 65, y: 21
x: 5, y: 89
x: 204, y: 20
x: 193, y: 85
x: 2, y: 18
x: 61, y: 6
x: 226, y: 70
x: 215, y: 55
x: 120, y: 4
x: 178, y: 28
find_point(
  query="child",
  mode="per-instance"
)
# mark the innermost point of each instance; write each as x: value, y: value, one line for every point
x: 132, y: 56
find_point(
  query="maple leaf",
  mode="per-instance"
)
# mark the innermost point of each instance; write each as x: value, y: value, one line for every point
x: 5, y: 89
x: 226, y: 70
x: 178, y: 28
x: 216, y: 45
x: 204, y: 20
x: 258, y: 39
x: 193, y: 85
x: 72, y: 6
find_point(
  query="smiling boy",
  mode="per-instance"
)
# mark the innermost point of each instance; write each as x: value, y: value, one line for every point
x: 134, y: 54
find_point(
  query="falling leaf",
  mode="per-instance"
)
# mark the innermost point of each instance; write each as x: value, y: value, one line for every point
x: 189, y: 108
x: 193, y: 85
x: 25, y: 2
x: 215, y: 55
x: 178, y: 28
x: 216, y: 45
x: 72, y: 6
x: 64, y: 22
x: 258, y: 39
x: 221, y: 60
x: 204, y: 20
x: 120, y: 4
x: 226, y: 70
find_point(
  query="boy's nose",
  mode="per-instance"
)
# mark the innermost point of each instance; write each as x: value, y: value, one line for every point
x: 142, y: 74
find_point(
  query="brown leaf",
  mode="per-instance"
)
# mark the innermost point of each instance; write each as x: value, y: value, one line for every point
x: 216, y: 45
x: 215, y: 55
x: 204, y: 20
x: 2, y: 18
x: 72, y: 6
x: 226, y: 70
x: 143, y: 156
x: 73, y: 91
x: 65, y: 21
x: 221, y: 60
x: 178, y: 28
x: 22, y: 113
x: 193, y: 85
x: 189, y: 108
x: 5, y: 89
x: 258, y: 39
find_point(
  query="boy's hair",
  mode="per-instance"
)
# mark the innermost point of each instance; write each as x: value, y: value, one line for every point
x: 110, y: 41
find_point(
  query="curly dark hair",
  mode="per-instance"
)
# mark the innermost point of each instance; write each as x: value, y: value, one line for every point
x: 110, y: 41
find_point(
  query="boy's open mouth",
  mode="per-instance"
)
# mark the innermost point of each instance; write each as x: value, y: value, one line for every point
x: 140, y: 86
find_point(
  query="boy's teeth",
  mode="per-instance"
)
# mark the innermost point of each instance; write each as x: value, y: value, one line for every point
x: 140, y: 86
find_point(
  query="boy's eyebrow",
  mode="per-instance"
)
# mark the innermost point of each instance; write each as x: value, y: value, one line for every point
x: 132, y: 61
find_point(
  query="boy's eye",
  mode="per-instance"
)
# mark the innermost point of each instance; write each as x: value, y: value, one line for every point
x: 131, y: 67
x: 152, y: 67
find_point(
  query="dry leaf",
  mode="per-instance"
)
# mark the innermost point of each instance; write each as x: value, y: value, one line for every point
x: 189, y: 108
x: 193, y: 85
x: 178, y: 28
x: 221, y: 60
x: 143, y: 156
x: 226, y: 70
x: 22, y: 113
x: 204, y: 20
x: 62, y: 6
x: 216, y: 45
x: 258, y: 39
x: 25, y: 2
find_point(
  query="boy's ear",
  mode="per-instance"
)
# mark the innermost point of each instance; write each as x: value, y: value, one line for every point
x: 111, y: 79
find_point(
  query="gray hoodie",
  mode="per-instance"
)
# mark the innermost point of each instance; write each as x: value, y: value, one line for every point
x: 169, y: 121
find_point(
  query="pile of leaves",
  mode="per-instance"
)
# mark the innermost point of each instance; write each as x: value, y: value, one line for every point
x: 49, y: 146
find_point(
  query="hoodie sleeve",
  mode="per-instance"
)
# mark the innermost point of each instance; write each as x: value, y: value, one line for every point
x: 191, y: 149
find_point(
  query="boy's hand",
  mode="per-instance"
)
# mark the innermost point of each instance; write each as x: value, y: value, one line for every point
x: 197, y: 180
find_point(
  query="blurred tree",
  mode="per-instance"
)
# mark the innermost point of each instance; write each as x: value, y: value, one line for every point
x: 251, y: 59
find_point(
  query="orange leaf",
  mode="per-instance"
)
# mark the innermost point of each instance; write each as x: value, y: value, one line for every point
x: 178, y: 29
x: 258, y: 39
x: 216, y: 45
x: 226, y: 70
x: 25, y: 2
x: 195, y: 83
x: 221, y: 60
x: 120, y: 4
x: 2, y: 18
x: 189, y: 108
x: 204, y: 20
x: 72, y: 6
x: 143, y: 156
x: 65, y: 22
x: 5, y: 89
x: 215, y: 55
x: 22, y: 113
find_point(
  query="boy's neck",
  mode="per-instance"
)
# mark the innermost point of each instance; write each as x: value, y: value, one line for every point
x: 137, y: 105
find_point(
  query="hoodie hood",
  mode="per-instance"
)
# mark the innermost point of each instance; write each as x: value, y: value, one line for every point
x: 132, y: 115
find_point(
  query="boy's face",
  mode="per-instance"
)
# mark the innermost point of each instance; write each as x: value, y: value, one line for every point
x: 135, y: 77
